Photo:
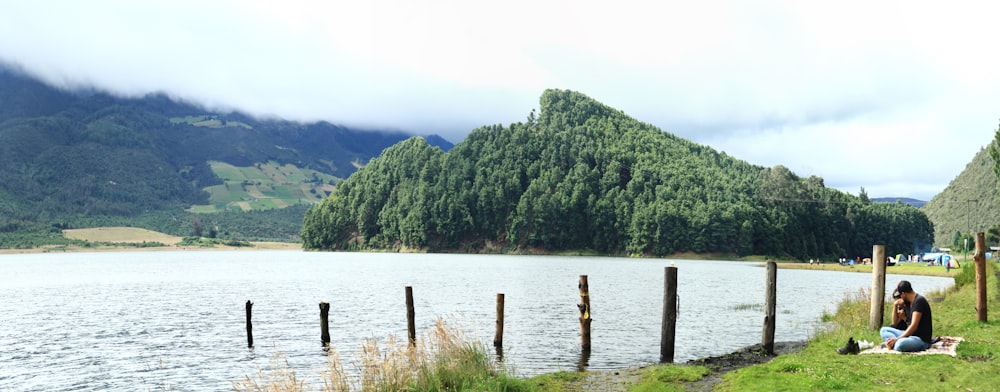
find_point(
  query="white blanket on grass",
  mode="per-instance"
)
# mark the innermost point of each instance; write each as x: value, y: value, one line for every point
x: 946, y: 345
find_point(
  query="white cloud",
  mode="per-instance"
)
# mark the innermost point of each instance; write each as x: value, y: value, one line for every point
x: 849, y: 91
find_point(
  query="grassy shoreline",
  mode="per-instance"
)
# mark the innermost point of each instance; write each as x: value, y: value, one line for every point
x: 817, y: 366
x: 901, y: 269
x: 132, y: 239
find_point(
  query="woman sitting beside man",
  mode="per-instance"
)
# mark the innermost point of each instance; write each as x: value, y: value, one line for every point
x: 912, y: 323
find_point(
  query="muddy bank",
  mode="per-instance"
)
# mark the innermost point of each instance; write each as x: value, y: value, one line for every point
x: 619, y: 380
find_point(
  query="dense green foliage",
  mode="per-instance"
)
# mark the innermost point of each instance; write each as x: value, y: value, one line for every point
x: 585, y: 176
x: 33, y: 236
x: 83, y: 158
x: 969, y: 204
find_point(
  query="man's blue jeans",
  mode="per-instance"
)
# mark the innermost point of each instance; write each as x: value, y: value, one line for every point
x: 907, y: 344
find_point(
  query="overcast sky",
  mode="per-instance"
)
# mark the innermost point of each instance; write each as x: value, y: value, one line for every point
x: 895, y: 97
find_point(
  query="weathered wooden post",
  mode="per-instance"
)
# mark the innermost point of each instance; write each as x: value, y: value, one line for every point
x: 498, y: 337
x: 249, y: 325
x: 584, y: 313
x: 980, y: 260
x: 324, y: 325
x: 878, y: 288
x: 411, y: 326
x: 669, y: 324
x: 770, y: 304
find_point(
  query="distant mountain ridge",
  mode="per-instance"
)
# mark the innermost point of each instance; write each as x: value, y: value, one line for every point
x: 68, y: 158
x: 904, y: 200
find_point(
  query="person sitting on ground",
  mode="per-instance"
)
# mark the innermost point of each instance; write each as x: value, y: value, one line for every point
x: 915, y: 313
x: 900, y: 313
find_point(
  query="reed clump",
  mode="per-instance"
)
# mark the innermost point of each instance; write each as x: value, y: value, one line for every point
x: 280, y: 377
x: 443, y: 359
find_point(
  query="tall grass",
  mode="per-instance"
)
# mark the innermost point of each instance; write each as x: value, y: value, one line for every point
x: 444, y: 359
x: 819, y: 367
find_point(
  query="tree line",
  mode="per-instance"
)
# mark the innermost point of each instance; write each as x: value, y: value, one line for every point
x: 581, y: 175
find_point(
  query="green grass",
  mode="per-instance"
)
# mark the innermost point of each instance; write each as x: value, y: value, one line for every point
x: 669, y: 378
x: 557, y: 382
x: 263, y: 186
x: 442, y: 360
x: 818, y: 367
x: 452, y: 363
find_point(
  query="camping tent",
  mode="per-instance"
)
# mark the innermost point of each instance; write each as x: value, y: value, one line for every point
x: 938, y: 258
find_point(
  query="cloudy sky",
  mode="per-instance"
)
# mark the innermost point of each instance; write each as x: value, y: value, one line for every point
x: 895, y: 97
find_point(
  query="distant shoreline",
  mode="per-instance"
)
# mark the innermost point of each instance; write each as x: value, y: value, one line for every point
x: 123, y: 239
x: 169, y: 248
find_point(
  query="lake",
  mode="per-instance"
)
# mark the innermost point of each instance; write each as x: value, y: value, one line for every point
x: 175, y: 320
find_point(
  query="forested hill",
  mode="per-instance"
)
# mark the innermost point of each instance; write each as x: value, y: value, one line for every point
x: 583, y: 175
x: 69, y: 158
x: 969, y: 204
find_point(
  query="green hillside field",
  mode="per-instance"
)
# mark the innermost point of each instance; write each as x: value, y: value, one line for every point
x: 264, y: 186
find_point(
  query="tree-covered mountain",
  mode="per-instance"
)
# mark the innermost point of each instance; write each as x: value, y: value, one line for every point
x: 76, y: 158
x: 969, y: 204
x: 582, y: 175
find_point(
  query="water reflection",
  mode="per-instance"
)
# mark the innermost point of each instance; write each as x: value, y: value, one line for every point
x: 584, y: 361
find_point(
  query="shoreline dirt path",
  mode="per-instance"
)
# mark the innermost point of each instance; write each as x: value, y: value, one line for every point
x: 621, y: 379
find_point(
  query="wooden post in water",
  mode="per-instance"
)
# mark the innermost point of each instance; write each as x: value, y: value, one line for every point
x: 980, y: 260
x: 324, y: 324
x: 411, y: 326
x: 878, y: 288
x: 249, y: 325
x: 498, y: 337
x: 669, y: 325
x: 584, y: 313
x: 770, y: 304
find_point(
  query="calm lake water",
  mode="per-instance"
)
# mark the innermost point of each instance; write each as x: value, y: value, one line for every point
x: 176, y: 320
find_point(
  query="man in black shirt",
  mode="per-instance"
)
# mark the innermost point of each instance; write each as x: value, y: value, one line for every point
x: 914, y: 309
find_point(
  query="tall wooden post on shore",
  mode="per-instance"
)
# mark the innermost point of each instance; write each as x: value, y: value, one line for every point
x: 498, y: 337
x: 249, y: 325
x: 324, y: 324
x: 411, y: 325
x: 669, y: 325
x: 980, y: 260
x: 878, y: 288
x: 584, y: 313
x: 770, y: 305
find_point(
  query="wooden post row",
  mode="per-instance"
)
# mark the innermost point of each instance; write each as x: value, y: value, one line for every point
x: 249, y: 325
x: 411, y: 326
x: 498, y: 337
x: 878, y: 288
x: 980, y: 260
x: 324, y: 324
x: 584, y: 307
x: 669, y: 326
